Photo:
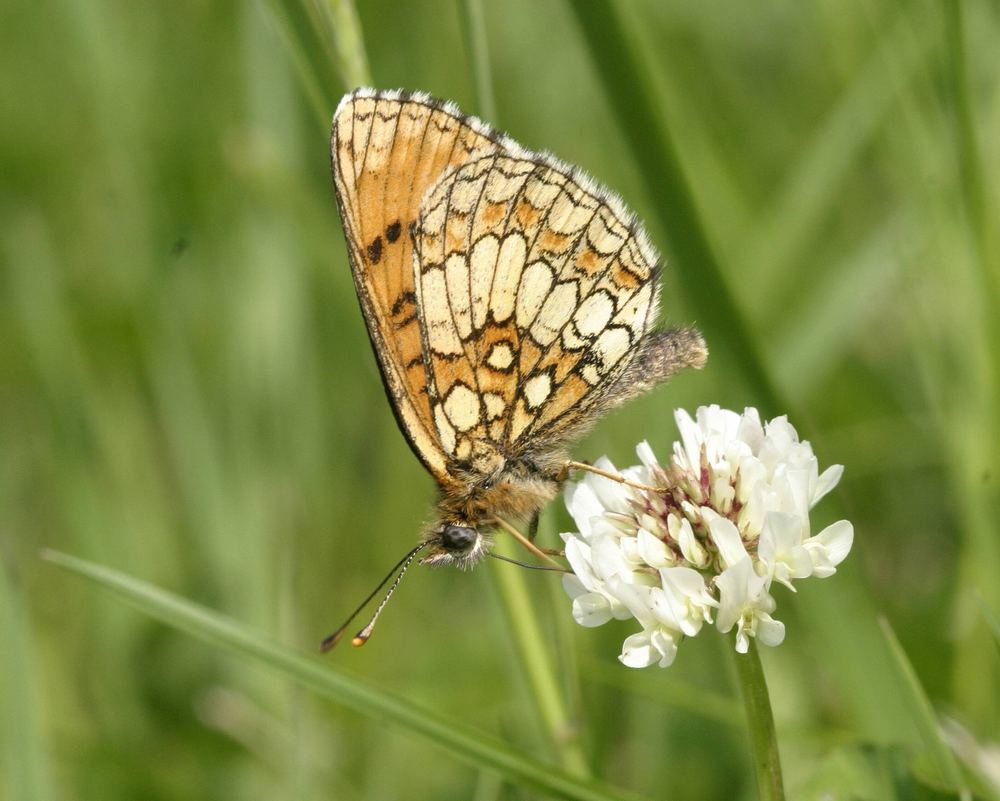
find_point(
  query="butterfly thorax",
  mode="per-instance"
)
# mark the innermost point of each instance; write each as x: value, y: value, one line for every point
x: 515, y: 489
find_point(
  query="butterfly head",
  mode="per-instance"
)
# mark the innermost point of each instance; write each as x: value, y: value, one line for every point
x: 455, y: 543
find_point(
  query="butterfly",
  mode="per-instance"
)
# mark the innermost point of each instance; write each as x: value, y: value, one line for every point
x: 508, y: 297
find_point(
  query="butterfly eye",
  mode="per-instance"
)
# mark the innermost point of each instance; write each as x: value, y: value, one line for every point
x: 458, y: 539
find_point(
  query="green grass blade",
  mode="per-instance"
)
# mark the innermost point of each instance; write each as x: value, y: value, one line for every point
x: 630, y: 88
x: 535, y: 661
x: 921, y: 713
x: 474, y: 24
x: 475, y: 747
x: 975, y: 674
x: 26, y: 773
x: 311, y: 59
x: 323, y: 39
x: 345, y: 31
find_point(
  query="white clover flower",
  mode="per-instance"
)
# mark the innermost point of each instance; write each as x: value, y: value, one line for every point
x: 705, y: 538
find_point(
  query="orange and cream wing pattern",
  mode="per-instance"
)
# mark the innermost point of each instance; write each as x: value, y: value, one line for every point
x: 388, y: 149
x: 534, y: 287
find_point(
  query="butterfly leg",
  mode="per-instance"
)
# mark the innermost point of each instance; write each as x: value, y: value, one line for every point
x: 533, y: 527
x: 541, y: 553
x: 573, y: 465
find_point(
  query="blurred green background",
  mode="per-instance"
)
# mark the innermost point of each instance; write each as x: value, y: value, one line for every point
x: 187, y: 393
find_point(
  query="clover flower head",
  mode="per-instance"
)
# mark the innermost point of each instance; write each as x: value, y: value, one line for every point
x: 707, y: 536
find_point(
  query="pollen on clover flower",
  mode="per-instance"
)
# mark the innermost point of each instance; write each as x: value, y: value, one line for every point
x: 729, y: 518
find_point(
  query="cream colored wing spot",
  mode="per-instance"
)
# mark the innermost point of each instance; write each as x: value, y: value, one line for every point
x: 537, y: 390
x: 605, y: 233
x: 591, y: 374
x: 495, y: 405
x: 555, y: 312
x: 465, y: 194
x: 446, y: 431
x: 436, y: 314
x: 593, y: 314
x: 501, y: 356
x: 542, y: 190
x: 507, y: 278
x: 571, y: 212
x: 531, y: 292
x: 610, y: 346
x: 503, y: 185
x: 462, y: 407
x: 482, y: 266
x: 635, y: 311
x: 457, y: 278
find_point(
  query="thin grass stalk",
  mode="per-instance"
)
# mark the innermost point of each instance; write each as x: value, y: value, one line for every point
x: 24, y: 752
x: 537, y: 667
x: 975, y: 669
x: 630, y: 89
x: 923, y: 718
x: 298, y: 31
x: 352, y: 58
x: 520, y: 612
x: 474, y: 24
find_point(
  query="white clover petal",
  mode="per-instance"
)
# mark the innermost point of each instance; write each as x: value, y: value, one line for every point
x: 827, y: 480
x: 750, y: 474
x: 637, y: 598
x: 781, y: 549
x: 573, y: 586
x: 732, y: 584
x: 584, y: 581
x: 663, y: 610
x: 687, y: 598
x: 830, y: 547
x: 646, y: 456
x: 744, y: 602
x: 690, y: 444
x: 591, y: 609
x: 726, y: 537
x: 630, y: 552
x: 654, y: 551
x: 769, y: 632
x: 722, y: 494
x: 613, y: 495
x: 691, y: 549
x: 649, y: 647
x: 578, y: 554
x: 750, y: 430
x: 638, y: 651
x: 608, y: 559
x: 583, y: 505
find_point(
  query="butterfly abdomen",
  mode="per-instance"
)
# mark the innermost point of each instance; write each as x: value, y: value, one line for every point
x: 662, y: 354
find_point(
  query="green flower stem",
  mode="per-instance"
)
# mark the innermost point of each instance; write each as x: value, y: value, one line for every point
x: 760, y: 721
x: 531, y: 647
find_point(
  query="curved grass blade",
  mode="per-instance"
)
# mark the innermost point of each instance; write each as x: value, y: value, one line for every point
x: 470, y: 745
x: 630, y: 90
x: 922, y: 716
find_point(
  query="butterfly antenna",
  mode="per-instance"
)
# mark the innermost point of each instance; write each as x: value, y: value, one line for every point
x: 362, y: 636
x: 526, y: 565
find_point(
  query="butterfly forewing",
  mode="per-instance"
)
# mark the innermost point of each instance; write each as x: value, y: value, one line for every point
x: 387, y: 150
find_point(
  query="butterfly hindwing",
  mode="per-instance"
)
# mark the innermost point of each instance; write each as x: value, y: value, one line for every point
x: 536, y: 289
